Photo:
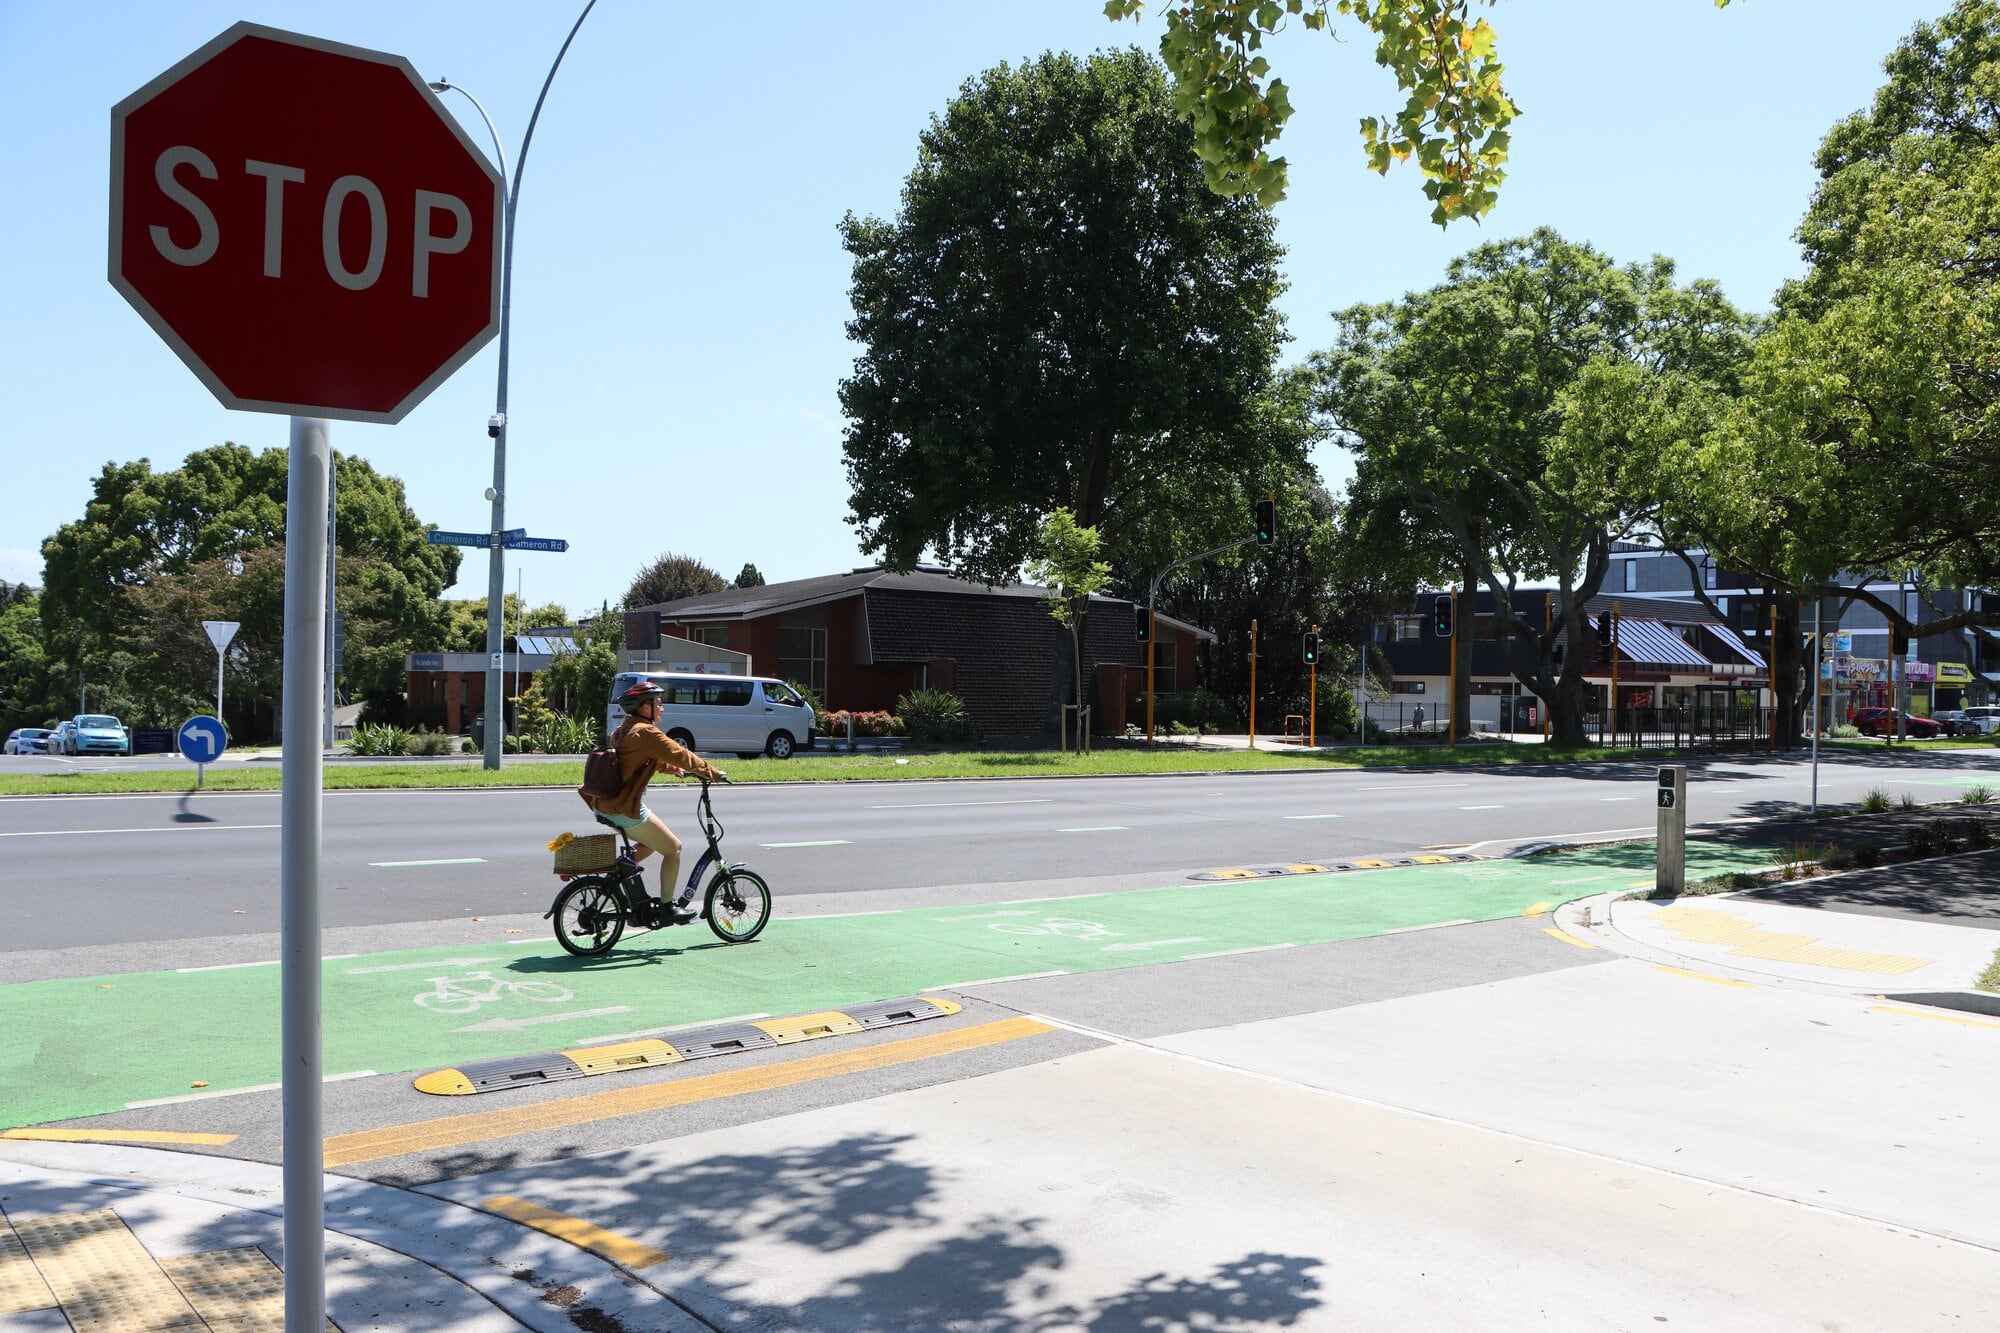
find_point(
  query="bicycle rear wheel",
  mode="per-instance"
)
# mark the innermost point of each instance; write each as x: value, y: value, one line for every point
x: 738, y: 905
x: 590, y: 916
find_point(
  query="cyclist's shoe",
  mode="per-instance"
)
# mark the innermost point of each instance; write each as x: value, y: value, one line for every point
x: 678, y: 914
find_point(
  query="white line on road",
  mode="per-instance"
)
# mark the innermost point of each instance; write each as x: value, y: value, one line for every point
x: 1416, y: 786
x: 1315, y: 816
x: 1617, y: 798
x: 236, y: 1092
x: 827, y: 842
x: 1429, y: 925
x: 1482, y: 807
x: 95, y: 832
x: 444, y: 861
x: 433, y: 965
x: 1097, y: 828
x: 932, y: 805
x: 1224, y: 953
x: 994, y: 981
x: 515, y: 1024
x: 262, y: 962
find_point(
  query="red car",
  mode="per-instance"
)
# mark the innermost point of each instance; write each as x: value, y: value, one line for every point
x: 1882, y: 722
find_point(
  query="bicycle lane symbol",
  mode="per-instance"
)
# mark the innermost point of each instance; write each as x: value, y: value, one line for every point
x: 464, y: 994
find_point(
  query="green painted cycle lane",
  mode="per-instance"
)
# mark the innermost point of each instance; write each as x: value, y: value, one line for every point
x: 78, y: 1047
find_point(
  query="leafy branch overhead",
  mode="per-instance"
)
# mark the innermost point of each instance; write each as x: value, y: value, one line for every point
x: 1453, y: 123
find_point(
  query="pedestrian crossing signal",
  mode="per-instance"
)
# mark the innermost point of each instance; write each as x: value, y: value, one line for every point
x: 1312, y: 649
x: 1267, y: 522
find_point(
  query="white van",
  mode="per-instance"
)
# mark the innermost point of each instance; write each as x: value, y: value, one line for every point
x: 750, y: 715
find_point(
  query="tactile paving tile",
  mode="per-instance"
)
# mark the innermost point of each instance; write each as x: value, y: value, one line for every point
x: 21, y: 1287
x: 236, y: 1291
x: 104, y: 1279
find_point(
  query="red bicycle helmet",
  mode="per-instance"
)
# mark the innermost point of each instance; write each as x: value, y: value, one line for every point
x: 639, y: 694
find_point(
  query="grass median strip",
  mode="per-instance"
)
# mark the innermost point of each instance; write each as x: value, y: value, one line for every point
x: 872, y: 767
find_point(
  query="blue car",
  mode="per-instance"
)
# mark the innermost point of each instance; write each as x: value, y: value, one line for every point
x: 97, y: 733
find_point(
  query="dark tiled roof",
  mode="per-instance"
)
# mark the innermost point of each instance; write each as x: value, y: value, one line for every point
x: 738, y: 603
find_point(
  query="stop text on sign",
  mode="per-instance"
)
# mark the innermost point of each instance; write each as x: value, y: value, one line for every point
x: 305, y: 225
x: 372, y: 208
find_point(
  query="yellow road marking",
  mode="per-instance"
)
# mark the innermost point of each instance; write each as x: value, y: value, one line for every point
x: 451, y: 1131
x: 1536, y: 909
x: 1567, y: 938
x: 1236, y: 874
x: 1702, y: 976
x: 1937, y: 1018
x: 1432, y: 860
x: 576, y: 1231
x: 118, y: 1136
x: 1306, y: 869
x: 1370, y: 865
x: 1749, y: 938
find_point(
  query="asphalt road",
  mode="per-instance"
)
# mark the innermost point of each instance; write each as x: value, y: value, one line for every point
x: 166, y: 867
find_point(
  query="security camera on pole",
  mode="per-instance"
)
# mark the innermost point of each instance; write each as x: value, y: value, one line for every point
x: 311, y: 233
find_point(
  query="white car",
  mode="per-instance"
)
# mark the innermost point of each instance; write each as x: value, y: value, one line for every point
x: 749, y: 715
x: 28, y: 740
x: 1985, y: 717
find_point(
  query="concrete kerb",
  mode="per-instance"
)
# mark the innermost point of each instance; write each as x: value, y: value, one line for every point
x: 539, y: 1281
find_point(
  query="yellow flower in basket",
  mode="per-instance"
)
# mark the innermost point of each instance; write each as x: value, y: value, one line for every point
x: 562, y: 842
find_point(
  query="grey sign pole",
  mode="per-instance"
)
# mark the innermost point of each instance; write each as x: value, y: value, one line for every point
x: 1670, y: 857
x: 298, y: 875
x: 220, y: 632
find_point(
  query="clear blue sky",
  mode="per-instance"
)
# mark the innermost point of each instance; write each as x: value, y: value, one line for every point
x: 680, y: 290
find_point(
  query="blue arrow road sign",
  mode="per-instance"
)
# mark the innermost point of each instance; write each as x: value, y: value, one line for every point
x: 535, y: 544
x: 458, y: 538
x: 202, y: 739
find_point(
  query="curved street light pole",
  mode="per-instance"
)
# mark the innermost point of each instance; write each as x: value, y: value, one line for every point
x: 496, y: 426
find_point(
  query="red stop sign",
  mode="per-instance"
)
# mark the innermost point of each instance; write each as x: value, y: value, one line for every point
x: 305, y: 225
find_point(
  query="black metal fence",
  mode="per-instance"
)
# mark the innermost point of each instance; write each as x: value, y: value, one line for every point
x: 1722, y: 725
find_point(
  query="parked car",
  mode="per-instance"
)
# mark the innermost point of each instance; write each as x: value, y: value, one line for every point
x: 28, y: 740
x: 1882, y: 722
x: 100, y: 733
x: 1985, y: 719
x: 59, y: 741
x: 747, y: 714
x: 1954, y: 722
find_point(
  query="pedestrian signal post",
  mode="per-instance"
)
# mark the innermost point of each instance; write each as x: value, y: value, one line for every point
x: 1670, y: 846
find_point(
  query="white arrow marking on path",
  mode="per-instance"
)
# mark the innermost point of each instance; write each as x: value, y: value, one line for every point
x: 1153, y: 944
x: 417, y: 967
x: 511, y: 1024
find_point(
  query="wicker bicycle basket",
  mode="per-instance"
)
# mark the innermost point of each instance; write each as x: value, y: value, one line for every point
x: 593, y: 851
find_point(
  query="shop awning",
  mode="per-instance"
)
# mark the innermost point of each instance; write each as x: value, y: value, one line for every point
x: 1734, y: 640
x: 1651, y: 642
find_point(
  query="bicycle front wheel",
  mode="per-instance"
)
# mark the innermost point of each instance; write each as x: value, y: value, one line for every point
x: 589, y: 917
x: 739, y: 904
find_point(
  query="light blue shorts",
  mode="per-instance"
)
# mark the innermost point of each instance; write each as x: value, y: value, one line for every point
x: 622, y: 821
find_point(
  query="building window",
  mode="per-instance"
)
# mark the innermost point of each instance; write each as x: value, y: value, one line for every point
x: 1708, y: 575
x: 1409, y: 628
x: 1631, y: 576
x: 1163, y: 666
x: 715, y: 636
x: 802, y: 657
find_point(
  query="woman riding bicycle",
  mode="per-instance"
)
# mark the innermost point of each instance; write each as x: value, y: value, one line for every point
x: 643, y: 750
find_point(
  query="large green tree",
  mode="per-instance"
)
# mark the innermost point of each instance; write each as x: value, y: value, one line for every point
x: 157, y: 552
x: 1458, y: 402
x: 670, y: 577
x: 1060, y: 316
x: 1866, y: 441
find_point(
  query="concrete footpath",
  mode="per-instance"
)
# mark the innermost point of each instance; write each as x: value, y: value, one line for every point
x: 1922, y: 931
x: 124, y: 1239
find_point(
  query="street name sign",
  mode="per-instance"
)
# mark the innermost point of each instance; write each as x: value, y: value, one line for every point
x: 305, y: 225
x: 535, y: 544
x: 203, y: 739
x: 459, y: 538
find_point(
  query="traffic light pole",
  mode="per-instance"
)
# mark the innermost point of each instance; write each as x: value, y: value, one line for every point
x: 1152, y: 620
x: 1253, y: 684
x: 1312, y: 695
